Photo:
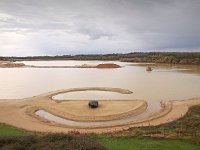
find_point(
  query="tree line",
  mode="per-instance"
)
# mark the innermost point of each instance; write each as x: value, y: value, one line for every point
x: 147, y: 57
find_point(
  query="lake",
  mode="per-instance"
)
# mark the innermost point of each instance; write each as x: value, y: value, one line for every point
x: 165, y: 82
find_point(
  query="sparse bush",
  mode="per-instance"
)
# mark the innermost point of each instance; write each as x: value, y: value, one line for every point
x: 49, y: 142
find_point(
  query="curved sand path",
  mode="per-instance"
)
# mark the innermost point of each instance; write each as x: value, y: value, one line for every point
x: 78, y: 110
x: 21, y: 113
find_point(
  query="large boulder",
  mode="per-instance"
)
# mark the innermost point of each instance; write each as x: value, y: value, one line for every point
x: 93, y: 104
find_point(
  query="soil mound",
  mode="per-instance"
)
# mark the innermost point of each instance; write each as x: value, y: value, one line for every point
x: 108, y: 66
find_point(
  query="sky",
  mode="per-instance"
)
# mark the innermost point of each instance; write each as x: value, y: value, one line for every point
x: 62, y: 27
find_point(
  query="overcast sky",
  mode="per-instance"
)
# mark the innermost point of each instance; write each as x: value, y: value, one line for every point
x: 56, y: 27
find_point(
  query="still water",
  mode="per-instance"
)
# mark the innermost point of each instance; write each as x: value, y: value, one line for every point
x: 163, y: 83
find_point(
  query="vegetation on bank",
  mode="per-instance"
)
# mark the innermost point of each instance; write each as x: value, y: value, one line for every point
x: 186, y: 128
x: 49, y: 142
x: 6, y: 130
x: 148, y: 57
x: 134, y: 143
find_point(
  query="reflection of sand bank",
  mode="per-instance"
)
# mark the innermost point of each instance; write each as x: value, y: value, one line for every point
x: 21, y: 113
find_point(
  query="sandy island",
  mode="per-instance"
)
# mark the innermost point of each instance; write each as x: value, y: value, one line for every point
x: 99, y: 66
x: 11, y: 64
x: 21, y: 113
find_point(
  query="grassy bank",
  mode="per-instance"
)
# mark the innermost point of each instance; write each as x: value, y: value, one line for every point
x: 135, y: 143
x: 181, y: 134
x: 6, y: 130
x: 186, y: 128
x: 49, y: 142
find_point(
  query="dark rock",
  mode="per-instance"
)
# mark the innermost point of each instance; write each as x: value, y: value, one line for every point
x: 149, y: 69
x: 93, y: 104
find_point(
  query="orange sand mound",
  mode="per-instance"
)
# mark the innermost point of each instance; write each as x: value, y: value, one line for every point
x: 103, y: 66
x: 108, y: 66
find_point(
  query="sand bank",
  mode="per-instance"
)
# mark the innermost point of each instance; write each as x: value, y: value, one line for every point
x: 21, y: 113
x: 78, y: 110
x: 10, y: 64
x: 99, y: 66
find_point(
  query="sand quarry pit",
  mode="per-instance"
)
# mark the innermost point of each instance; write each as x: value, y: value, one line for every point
x: 111, y: 115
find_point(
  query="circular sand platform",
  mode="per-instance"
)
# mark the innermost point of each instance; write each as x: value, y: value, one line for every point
x: 78, y: 110
x: 107, y: 110
x: 66, y: 116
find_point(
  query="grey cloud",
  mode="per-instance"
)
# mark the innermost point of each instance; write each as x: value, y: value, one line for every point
x: 93, y: 33
x: 91, y: 26
x: 109, y: 25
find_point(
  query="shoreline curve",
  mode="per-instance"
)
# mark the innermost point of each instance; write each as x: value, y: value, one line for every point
x: 14, y: 112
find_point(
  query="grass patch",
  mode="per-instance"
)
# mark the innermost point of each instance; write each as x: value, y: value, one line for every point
x: 145, y: 144
x: 6, y: 130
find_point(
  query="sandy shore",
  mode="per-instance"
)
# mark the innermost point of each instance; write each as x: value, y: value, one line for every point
x: 10, y: 64
x: 21, y: 113
x: 99, y: 66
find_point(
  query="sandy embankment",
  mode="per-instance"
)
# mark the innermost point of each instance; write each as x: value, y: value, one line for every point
x: 10, y: 64
x: 21, y: 113
x: 78, y: 110
x: 99, y: 66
